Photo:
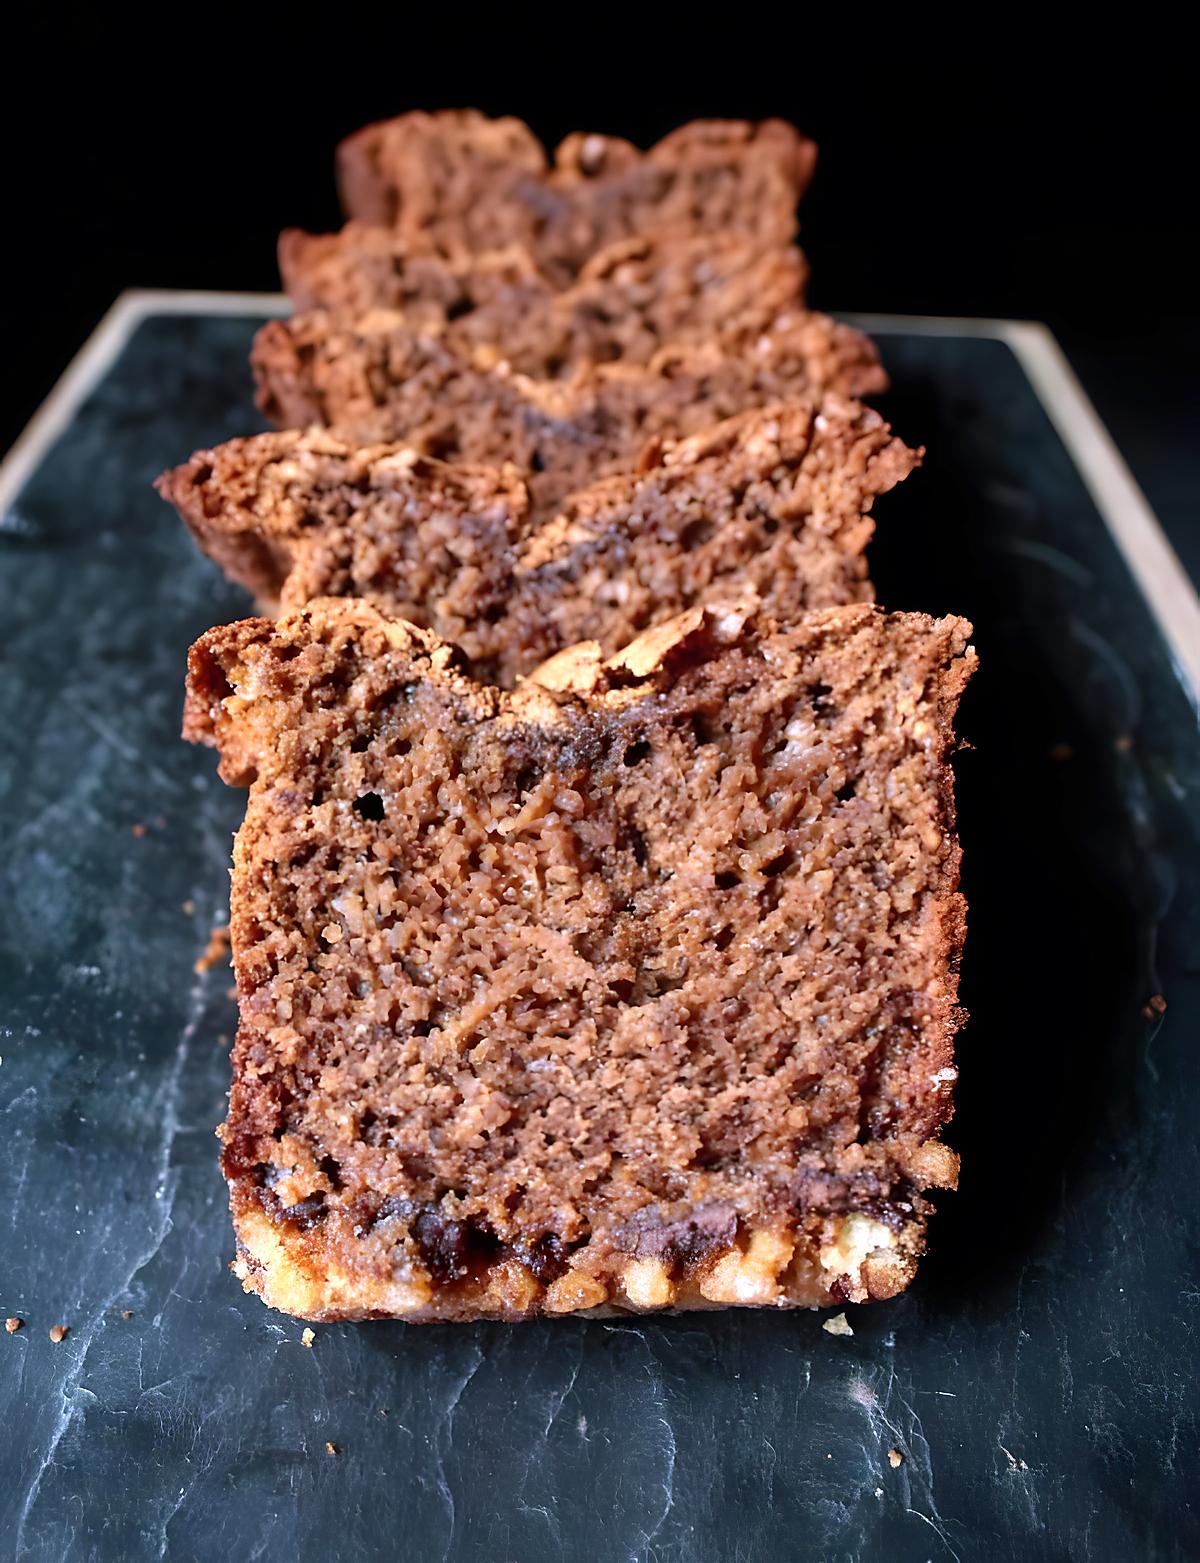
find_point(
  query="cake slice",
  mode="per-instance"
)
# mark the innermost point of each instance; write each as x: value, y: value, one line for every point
x: 628, y: 302
x: 468, y: 185
x: 377, y: 380
x: 771, y: 507
x: 632, y: 989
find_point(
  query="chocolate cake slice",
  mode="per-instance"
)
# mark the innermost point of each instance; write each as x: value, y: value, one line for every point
x: 771, y: 507
x: 468, y: 185
x: 632, y: 989
x: 629, y: 301
x: 377, y: 380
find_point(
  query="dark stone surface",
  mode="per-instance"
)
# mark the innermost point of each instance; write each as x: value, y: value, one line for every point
x: 1038, y: 1380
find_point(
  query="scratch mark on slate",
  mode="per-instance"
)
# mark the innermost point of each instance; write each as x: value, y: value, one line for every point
x: 445, y: 1442
x: 164, y: 1192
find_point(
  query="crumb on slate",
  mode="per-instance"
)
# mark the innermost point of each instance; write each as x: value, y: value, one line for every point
x: 1155, y: 1007
x: 127, y: 1313
x: 189, y: 908
x: 895, y: 1458
x: 307, y: 1338
x: 13, y: 1325
x: 216, y: 950
x: 838, y: 1325
x: 139, y: 830
x: 58, y: 1332
x: 331, y: 1448
x: 1124, y: 743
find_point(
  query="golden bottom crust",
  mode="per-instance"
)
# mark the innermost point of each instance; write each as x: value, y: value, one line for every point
x: 850, y: 1258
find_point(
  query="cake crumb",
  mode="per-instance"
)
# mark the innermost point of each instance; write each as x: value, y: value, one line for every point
x: 188, y: 908
x: 330, y: 1448
x: 622, y: 748
x: 307, y: 1338
x: 139, y: 830
x: 127, y: 1313
x: 1155, y: 1007
x: 58, y: 1332
x: 216, y: 950
x: 895, y: 1459
x: 13, y: 1325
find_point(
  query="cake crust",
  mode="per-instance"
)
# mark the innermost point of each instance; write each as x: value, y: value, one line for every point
x: 632, y: 988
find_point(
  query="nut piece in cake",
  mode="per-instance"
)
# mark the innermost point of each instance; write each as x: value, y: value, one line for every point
x: 630, y: 989
x: 771, y: 507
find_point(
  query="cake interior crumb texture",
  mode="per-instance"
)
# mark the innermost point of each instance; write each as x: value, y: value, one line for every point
x: 633, y: 988
x: 771, y: 507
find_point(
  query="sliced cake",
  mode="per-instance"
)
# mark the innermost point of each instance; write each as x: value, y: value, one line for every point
x: 378, y: 380
x: 633, y: 989
x: 469, y: 185
x: 629, y: 301
x: 770, y: 507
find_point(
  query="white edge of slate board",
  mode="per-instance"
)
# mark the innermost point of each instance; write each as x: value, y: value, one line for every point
x: 1135, y: 528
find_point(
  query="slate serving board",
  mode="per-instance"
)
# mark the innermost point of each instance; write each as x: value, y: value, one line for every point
x: 1037, y: 1382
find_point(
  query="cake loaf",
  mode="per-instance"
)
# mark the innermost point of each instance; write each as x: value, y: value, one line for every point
x: 377, y: 380
x: 770, y: 507
x: 628, y: 302
x: 468, y: 185
x: 633, y: 989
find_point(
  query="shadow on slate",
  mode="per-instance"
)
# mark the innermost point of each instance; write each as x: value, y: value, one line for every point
x: 1037, y: 1380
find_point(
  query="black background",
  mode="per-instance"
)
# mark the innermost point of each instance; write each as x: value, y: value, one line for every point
x: 966, y: 168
